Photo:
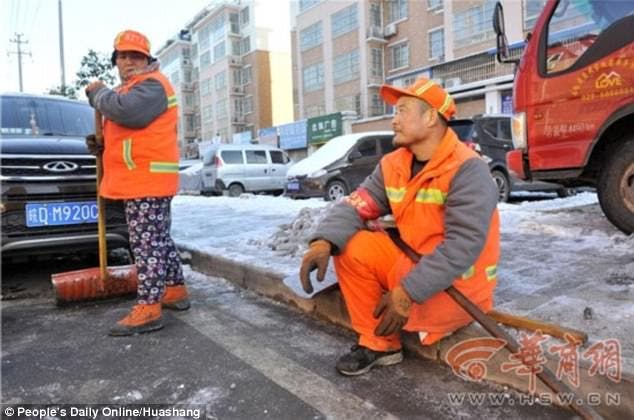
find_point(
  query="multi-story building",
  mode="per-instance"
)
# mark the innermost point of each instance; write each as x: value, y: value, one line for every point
x: 344, y: 50
x: 242, y: 51
x: 176, y: 63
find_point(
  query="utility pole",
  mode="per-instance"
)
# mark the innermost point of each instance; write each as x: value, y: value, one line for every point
x: 61, y: 46
x: 20, y: 53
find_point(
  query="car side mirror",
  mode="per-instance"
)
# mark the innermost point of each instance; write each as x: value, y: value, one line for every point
x: 354, y: 155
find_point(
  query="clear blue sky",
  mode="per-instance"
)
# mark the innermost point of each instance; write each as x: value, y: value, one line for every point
x: 87, y: 24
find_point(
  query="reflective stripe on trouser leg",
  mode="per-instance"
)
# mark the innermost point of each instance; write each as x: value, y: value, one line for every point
x: 362, y: 270
x: 154, y: 252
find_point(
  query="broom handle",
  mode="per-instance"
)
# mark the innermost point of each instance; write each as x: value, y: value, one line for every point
x: 101, y: 207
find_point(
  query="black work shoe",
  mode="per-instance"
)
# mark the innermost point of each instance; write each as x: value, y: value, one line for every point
x: 361, y: 359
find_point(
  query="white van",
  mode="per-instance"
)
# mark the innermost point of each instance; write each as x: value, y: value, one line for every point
x: 239, y: 168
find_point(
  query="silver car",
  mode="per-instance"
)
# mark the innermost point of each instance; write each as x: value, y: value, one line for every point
x: 238, y: 168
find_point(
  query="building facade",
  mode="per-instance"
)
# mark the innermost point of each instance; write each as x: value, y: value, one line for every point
x: 177, y: 64
x: 244, y: 70
x: 344, y: 50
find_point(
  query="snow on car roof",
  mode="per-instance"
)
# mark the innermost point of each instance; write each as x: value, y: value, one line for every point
x: 331, y: 151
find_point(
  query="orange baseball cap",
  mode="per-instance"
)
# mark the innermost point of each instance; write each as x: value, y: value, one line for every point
x: 426, y: 90
x: 132, y: 41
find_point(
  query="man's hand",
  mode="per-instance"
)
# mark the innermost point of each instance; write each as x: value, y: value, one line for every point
x: 93, y: 147
x: 316, y: 257
x: 395, y: 306
x: 97, y: 84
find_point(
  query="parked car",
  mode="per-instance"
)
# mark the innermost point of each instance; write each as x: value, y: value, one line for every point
x: 490, y: 135
x: 237, y: 168
x: 339, y: 166
x: 48, y: 178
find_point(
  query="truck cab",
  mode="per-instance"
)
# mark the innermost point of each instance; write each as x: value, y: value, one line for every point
x: 573, y: 100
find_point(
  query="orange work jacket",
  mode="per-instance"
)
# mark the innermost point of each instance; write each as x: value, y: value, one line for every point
x: 418, y: 209
x: 142, y: 162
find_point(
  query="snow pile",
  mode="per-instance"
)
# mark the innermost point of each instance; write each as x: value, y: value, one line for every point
x: 291, y: 239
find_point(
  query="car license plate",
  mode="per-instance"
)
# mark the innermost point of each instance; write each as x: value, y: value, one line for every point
x: 54, y: 214
x: 292, y: 186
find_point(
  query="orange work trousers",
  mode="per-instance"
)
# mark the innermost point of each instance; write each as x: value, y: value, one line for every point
x: 372, y: 264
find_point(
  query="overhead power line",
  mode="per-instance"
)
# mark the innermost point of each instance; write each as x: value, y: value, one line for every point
x: 18, y: 41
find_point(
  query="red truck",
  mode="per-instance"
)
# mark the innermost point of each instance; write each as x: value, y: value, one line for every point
x: 573, y: 100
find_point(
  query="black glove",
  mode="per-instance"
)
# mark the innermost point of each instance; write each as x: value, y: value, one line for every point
x: 395, y: 306
x: 93, y: 147
x: 316, y: 257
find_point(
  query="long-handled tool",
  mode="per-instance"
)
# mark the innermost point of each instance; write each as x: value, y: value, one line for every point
x: 101, y: 282
x: 547, y: 377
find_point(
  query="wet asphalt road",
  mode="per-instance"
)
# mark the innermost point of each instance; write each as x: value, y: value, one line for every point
x: 234, y: 354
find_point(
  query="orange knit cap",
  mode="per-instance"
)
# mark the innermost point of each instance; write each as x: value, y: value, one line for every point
x: 425, y: 90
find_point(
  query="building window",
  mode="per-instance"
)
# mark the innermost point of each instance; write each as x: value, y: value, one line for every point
x: 234, y: 21
x: 221, y: 108
x: 203, y: 38
x: 235, y: 47
x: 346, y: 67
x: 344, y: 20
x: 375, y: 14
x: 397, y: 10
x: 435, y: 5
x: 189, y: 123
x: 207, y: 113
x: 244, y: 16
x: 238, y: 110
x: 220, y: 80
x: 237, y: 77
x: 437, y: 44
x: 307, y: 4
x: 189, y: 100
x: 349, y: 103
x: 314, y: 110
x: 187, y: 75
x: 247, y: 76
x: 219, y: 51
x: 376, y: 105
x: 473, y: 25
x: 205, y: 87
x: 245, y: 45
x: 399, y: 55
x: 218, y: 28
x: 531, y: 10
x: 248, y: 104
x: 313, y: 77
x: 310, y: 37
x: 205, y: 59
x: 376, y: 69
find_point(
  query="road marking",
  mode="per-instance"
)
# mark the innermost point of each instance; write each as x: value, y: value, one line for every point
x: 314, y: 390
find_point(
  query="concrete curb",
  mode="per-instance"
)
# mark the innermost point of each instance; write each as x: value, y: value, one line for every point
x: 610, y: 399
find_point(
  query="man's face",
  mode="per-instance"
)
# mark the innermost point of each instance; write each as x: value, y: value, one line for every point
x: 408, y: 122
x: 129, y: 62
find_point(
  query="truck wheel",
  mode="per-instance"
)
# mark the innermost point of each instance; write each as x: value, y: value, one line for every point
x: 615, y: 186
x: 235, y: 190
x: 335, y: 190
x: 503, y: 184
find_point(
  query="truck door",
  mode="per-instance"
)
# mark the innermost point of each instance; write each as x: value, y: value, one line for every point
x: 581, y: 81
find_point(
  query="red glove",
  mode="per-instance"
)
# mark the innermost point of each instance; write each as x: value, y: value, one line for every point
x: 395, y: 306
x: 317, y: 257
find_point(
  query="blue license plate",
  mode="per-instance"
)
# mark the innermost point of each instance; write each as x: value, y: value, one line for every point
x: 292, y: 186
x: 55, y: 214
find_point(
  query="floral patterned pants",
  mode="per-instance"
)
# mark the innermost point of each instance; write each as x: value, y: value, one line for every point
x: 157, y: 261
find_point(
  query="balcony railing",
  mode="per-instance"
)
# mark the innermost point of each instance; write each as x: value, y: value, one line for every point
x: 472, y: 69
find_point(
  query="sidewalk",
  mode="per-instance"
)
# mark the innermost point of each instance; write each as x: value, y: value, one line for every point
x: 239, y: 239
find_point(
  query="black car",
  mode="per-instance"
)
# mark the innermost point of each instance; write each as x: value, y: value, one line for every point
x: 490, y: 135
x: 48, y: 178
x: 339, y: 166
